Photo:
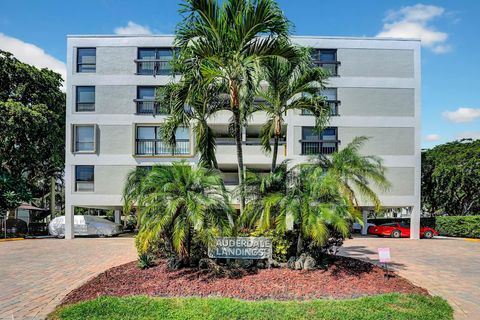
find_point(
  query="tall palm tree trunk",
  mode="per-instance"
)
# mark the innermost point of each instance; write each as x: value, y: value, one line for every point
x: 275, y: 152
x: 235, y: 106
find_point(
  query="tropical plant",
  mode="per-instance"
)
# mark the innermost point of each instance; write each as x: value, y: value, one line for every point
x: 291, y: 85
x: 317, y: 199
x: 133, y: 192
x: 223, y: 44
x: 312, y: 206
x: 179, y: 202
x: 193, y: 108
x: 145, y: 261
x: 353, y: 174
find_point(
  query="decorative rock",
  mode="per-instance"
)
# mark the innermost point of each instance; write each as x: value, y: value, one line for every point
x: 309, y: 263
x: 298, y: 265
x: 274, y: 263
x: 206, y: 264
x: 291, y: 263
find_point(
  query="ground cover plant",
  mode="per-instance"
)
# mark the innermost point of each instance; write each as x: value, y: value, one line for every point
x: 389, y: 306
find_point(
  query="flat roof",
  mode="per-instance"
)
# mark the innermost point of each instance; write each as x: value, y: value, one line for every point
x: 293, y: 37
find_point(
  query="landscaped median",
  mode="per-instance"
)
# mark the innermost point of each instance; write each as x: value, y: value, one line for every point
x: 388, y: 306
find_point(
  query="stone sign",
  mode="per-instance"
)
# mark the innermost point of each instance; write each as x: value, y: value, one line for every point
x: 241, y: 248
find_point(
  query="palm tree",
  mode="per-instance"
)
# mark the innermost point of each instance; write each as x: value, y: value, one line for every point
x: 263, y: 194
x: 292, y: 85
x: 133, y: 192
x: 353, y: 174
x: 193, y: 108
x: 225, y: 43
x: 181, y: 201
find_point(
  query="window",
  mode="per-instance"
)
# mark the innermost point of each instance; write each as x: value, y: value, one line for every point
x: 330, y: 95
x: 85, y: 99
x: 324, y: 142
x: 84, y: 178
x: 149, y: 142
x: 84, y: 138
x: 146, y: 103
x: 154, y: 61
x: 327, y: 59
x: 86, y: 59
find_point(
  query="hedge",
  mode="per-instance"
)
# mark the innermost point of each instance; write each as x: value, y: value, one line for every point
x: 459, y: 226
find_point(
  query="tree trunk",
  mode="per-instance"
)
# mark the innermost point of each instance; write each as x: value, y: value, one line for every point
x: 11, y: 213
x: 275, y: 152
x: 299, y: 243
x: 235, y: 106
x: 52, y: 196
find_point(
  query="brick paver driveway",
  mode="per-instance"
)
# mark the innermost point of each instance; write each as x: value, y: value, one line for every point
x: 449, y: 268
x: 36, y: 274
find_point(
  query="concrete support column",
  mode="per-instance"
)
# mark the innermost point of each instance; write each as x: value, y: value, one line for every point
x: 364, y: 218
x: 415, y: 222
x: 69, y: 214
x: 117, y: 216
x: 244, y: 133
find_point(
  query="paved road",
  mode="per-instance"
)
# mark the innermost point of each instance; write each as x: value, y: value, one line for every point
x: 449, y: 268
x: 36, y: 274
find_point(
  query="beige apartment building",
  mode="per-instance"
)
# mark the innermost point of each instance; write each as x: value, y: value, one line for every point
x: 113, y: 121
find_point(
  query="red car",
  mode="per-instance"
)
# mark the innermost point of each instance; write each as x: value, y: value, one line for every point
x: 400, y: 230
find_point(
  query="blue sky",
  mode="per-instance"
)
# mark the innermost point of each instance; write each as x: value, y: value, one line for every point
x: 35, y: 31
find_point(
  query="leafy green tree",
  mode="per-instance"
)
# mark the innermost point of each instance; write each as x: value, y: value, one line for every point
x: 225, y: 43
x: 316, y: 198
x: 180, y: 201
x: 291, y: 85
x: 451, y: 178
x: 32, y: 124
x: 353, y: 174
x: 13, y: 191
x: 193, y: 108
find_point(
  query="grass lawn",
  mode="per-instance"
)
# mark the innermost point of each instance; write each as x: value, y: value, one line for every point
x: 389, y: 306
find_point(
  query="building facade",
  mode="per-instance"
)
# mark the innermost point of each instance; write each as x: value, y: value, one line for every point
x: 113, y: 122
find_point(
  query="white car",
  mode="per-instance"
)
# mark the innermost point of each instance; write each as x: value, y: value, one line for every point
x: 357, y: 227
x: 85, y: 226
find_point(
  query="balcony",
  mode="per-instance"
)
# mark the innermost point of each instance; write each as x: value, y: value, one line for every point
x: 155, y: 67
x: 147, y: 106
x: 330, y: 66
x: 310, y: 147
x: 332, y: 104
x: 258, y: 141
x: 156, y: 147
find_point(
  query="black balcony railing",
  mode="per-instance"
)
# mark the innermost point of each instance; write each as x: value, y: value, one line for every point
x: 85, y: 107
x: 155, y: 147
x: 330, y: 66
x: 258, y: 141
x: 333, y: 105
x: 154, y: 67
x: 319, y: 146
x: 145, y: 106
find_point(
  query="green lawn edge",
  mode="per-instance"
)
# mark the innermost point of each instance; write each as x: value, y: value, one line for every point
x: 389, y: 306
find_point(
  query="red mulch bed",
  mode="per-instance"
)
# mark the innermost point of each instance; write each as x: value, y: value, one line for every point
x: 345, y: 278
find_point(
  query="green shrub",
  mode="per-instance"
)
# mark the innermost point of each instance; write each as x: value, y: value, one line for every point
x: 459, y: 226
x: 281, y: 243
x: 145, y: 261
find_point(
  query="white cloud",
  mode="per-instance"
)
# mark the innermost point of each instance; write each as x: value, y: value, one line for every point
x: 469, y: 135
x: 462, y: 115
x: 133, y: 28
x: 31, y: 54
x: 432, y: 137
x: 415, y: 22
